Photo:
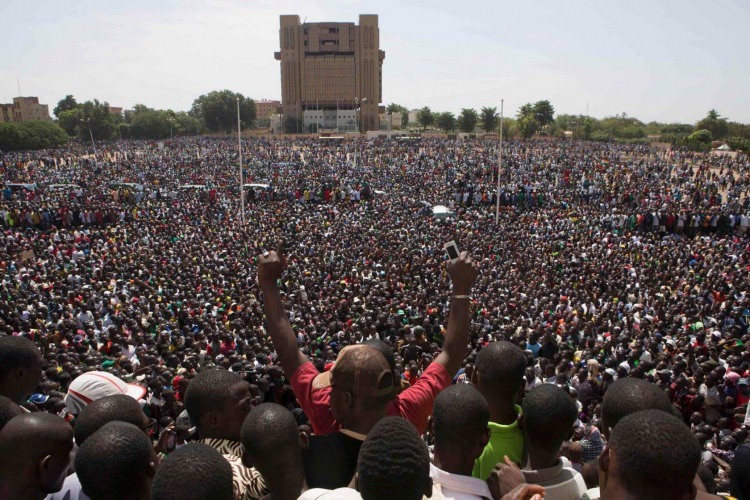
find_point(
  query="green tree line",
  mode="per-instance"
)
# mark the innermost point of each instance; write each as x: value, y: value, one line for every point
x: 538, y: 118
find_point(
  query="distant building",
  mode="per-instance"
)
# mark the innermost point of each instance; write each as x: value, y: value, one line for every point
x: 331, y: 68
x: 264, y: 108
x: 413, y: 116
x: 24, y: 109
x: 115, y: 110
x: 6, y: 113
x: 390, y: 121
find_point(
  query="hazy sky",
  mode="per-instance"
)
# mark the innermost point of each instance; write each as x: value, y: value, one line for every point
x: 665, y: 60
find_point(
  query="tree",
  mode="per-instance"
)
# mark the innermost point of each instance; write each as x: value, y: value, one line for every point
x: 151, y: 124
x: 739, y: 130
x: 10, y: 137
x: 739, y: 143
x: 526, y: 111
x: 76, y: 118
x: 187, y: 125
x: 66, y: 104
x: 70, y: 120
x: 718, y: 126
x: 467, y: 120
x: 527, y: 124
x: 676, y: 128
x: 489, y: 119
x: 445, y: 121
x: 425, y: 117
x: 704, y: 136
x: 544, y: 113
x: 218, y: 110
x: 33, y: 134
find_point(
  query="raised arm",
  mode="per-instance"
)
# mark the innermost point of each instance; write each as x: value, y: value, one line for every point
x: 462, y: 274
x: 270, y: 267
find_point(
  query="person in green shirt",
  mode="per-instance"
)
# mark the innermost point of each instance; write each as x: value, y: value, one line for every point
x: 498, y: 374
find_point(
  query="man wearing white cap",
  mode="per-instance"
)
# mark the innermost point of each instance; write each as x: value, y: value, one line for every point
x: 95, y: 385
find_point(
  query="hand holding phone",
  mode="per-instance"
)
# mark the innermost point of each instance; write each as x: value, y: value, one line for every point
x: 451, y: 249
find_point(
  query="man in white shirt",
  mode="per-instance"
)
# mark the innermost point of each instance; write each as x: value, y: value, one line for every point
x: 549, y: 414
x: 460, y: 418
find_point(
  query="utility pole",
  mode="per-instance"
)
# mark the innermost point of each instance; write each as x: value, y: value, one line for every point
x: 499, y: 163
x: 239, y: 154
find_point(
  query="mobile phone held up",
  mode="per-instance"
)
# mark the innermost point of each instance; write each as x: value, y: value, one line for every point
x: 451, y: 249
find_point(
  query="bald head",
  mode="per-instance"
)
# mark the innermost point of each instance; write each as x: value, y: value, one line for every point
x: 34, y: 454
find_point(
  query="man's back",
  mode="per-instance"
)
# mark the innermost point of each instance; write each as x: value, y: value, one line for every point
x: 561, y: 482
x: 330, y: 461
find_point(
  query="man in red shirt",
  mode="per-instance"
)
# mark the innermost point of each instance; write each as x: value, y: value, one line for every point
x: 414, y: 403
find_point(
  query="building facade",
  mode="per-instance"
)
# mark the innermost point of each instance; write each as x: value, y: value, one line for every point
x: 6, y: 113
x: 264, y: 108
x: 25, y: 109
x: 331, y: 67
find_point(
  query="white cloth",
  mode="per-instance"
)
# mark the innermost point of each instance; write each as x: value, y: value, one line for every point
x: 337, y: 494
x: 71, y: 490
x: 457, y: 487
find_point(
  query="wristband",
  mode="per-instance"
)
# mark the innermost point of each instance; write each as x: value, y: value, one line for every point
x: 467, y: 297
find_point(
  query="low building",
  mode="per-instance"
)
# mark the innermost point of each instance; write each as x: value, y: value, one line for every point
x: 264, y: 108
x: 115, y: 110
x: 413, y: 116
x: 390, y: 121
x: 6, y: 113
x: 340, y: 120
x: 28, y: 108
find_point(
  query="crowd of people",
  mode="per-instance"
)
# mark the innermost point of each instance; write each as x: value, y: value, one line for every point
x: 314, y: 341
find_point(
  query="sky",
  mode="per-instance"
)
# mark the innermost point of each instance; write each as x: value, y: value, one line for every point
x: 662, y: 60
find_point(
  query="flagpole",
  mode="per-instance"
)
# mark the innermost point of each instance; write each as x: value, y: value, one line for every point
x: 239, y: 151
x: 499, y: 163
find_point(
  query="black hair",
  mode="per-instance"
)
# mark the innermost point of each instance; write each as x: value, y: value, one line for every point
x: 501, y: 367
x: 16, y: 352
x: 8, y: 410
x: 208, y: 391
x: 548, y: 416
x: 460, y: 414
x: 195, y: 471
x: 590, y: 473
x: 629, y: 395
x: 657, y: 456
x: 117, y: 408
x: 268, y: 431
x: 393, y: 462
x: 114, y: 462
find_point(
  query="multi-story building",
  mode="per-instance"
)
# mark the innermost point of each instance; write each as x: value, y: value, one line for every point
x: 264, y: 108
x: 6, y: 113
x: 331, y: 67
x: 28, y: 108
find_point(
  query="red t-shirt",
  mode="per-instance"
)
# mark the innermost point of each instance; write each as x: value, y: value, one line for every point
x: 413, y: 403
